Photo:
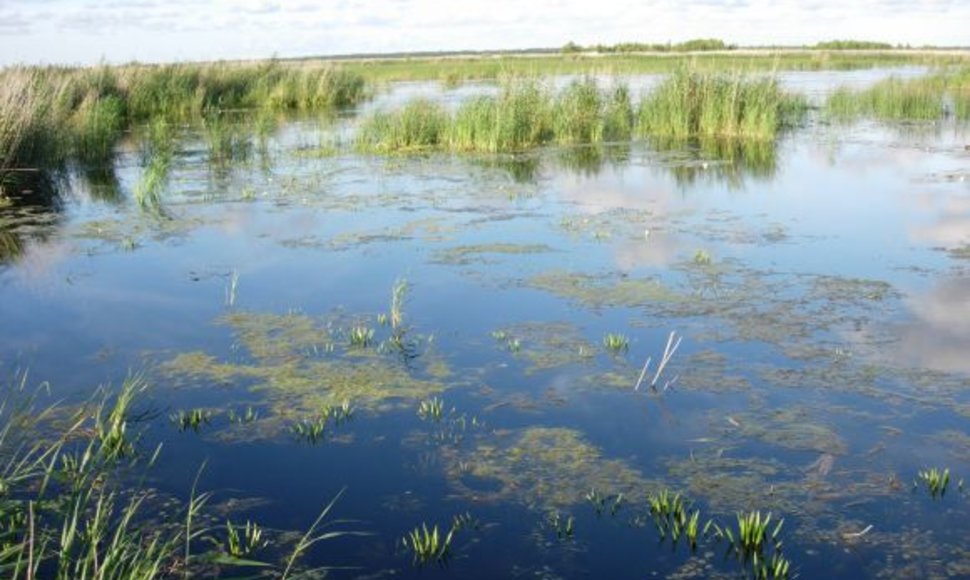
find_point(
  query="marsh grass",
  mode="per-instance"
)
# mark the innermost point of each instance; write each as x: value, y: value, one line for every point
x: 527, y: 114
x: 694, y: 104
x: 756, y: 544
x: 55, y: 115
x: 936, y: 481
x: 72, y: 505
x: 428, y: 545
x: 454, y: 70
x: 616, y: 343
x: 930, y: 98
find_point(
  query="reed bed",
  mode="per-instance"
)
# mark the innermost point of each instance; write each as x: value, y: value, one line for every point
x: 453, y: 70
x: 50, y: 116
x: 930, y: 98
x: 528, y: 114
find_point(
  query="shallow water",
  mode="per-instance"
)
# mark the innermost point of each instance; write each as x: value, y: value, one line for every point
x: 821, y: 290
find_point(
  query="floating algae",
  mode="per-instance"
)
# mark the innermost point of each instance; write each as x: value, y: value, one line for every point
x: 546, y: 345
x: 793, y: 428
x: 480, y: 253
x: 297, y: 368
x: 545, y: 468
x: 603, y: 292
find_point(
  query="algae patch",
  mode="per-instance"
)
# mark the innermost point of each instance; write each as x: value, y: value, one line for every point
x: 597, y: 292
x: 294, y: 363
x: 483, y: 253
x: 543, y: 468
x: 546, y: 345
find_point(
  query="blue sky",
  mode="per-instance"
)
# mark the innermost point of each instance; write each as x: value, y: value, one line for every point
x: 87, y: 31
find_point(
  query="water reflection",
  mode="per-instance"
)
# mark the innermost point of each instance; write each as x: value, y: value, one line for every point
x: 713, y: 160
x: 30, y: 211
x: 938, y: 336
x: 729, y: 162
x: 590, y: 161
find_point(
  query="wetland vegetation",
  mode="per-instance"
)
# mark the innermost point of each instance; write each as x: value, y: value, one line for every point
x: 701, y: 323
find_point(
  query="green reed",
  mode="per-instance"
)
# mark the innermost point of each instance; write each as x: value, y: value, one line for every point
x: 616, y: 343
x: 928, y: 98
x: 69, y: 508
x: 52, y: 115
x: 241, y: 542
x: 432, y: 409
x: 936, y: 481
x: 193, y: 419
x: 695, y: 104
x: 527, y: 114
x: 361, y: 336
x: 428, y: 544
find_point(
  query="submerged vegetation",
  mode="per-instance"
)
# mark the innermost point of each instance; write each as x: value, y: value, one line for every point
x: 527, y: 114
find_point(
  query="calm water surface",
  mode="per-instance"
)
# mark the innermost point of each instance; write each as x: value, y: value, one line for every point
x: 820, y: 288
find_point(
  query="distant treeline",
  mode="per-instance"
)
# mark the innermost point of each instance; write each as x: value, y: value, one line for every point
x: 854, y: 45
x: 705, y: 44
x: 687, y: 46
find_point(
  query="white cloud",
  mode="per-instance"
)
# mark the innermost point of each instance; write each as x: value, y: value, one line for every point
x: 89, y: 30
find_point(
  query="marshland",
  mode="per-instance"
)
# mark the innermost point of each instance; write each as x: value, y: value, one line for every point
x: 611, y: 311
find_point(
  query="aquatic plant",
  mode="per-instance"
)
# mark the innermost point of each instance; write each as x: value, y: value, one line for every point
x: 565, y: 527
x: 689, y: 103
x: 702, y: 258
x: 313, y: 430
x: 247, y: 416
x: 193, y: 419
x: 428, y: 545
x: 671, y: 516
x: 54, y: 114
x: 935, y: 480
x: 756, y: 544
x: 244, y: 544
x: 398, y: 295
x: 669, y: 350
x: 927, y: 98
x: 600, y: 502
x: 432, y: 409
x: 70, y: 510
x: 111, y: 420
x: 361, y: 336
x: 616, y: 343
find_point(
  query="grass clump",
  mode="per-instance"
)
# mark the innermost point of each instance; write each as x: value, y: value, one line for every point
x: 694, y: 104
x: 616, y: 343
x: 70, y: 508
x: 527, y: 114
x: 428, y: 545
x: 53, y: 116
x: 756, y: 544
x: 929, y: 98
x: 936, y: 481
x: 672, y: 515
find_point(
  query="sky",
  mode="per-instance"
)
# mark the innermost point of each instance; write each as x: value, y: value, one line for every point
x: 91, y: 31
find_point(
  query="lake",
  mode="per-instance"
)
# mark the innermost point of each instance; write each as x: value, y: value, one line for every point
x: 440, y: 336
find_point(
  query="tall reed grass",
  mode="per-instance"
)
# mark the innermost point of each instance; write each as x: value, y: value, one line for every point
x: 55, y: 115
x: 930, y: 98
x: 692, y: 104
x: 527, y: 114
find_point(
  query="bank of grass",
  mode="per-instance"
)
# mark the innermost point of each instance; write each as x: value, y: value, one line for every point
x: 528, y: 114
x: 929, y: 98
x: 52, y: 115
x: 453, y: 70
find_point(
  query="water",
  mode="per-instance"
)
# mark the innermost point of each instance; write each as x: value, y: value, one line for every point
x: 820, y: 290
